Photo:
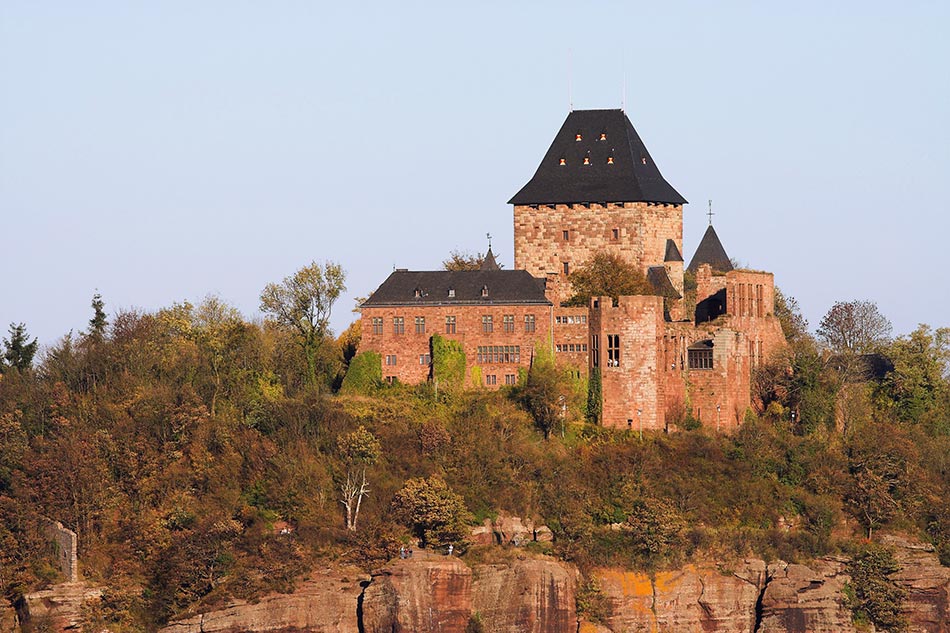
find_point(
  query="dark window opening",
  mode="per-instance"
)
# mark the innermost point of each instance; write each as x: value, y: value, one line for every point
x: 613, y: 350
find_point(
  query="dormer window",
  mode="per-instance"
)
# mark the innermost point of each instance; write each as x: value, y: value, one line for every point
x: 562, y: 162
x: 418, y: 293
x: 451, y: 293
x: 484, y: 291
x: 643, y: 159
x: 610, y: 160
x: 603, y: 136
x: 587, y: 159
x: 578, y: 137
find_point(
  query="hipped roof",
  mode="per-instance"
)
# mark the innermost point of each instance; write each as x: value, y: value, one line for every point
x: 431, y: 287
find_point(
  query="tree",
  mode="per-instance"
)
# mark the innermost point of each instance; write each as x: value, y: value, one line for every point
x: 874, y: 594
x: 98, y: 322
x: 544, y: 394
x: 358, y: 449
x: 918, y: 384
x: 302, y: 303
x: 794, y: 325
x: 18, y: 351
x: 463, y: 260
x: 607, y: 274
x: 854, y: 327
x: 433, y: 512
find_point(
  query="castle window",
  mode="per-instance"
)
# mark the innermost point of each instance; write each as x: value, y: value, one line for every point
x: 377, y: 325
x: 491, y: 379
x: 595, y: 349
x: 425, y: 359
x: 418, y: 293
x: 484, y: 291
x: 562, y: 162
x: 613, y: 350
x: 566, y: 267
x: 615, y: 234
x: 390, y: 359
x: 498, y: 354
x: 509, y: 322
x: 450, y: 325
x: 487, y: 326
x: 700, y: 355
x: 420, y: 325
x: 511, y: 379
x: 529, y: 323
x: 610, y: 160
x: 399, y: 325
x: 451, y: 293
x: 578, y: 137
x: 566, y: 235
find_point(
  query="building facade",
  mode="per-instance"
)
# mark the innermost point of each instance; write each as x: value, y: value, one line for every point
x: 689, y: 349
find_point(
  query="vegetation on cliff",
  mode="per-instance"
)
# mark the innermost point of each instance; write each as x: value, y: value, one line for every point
x: 200, y: 456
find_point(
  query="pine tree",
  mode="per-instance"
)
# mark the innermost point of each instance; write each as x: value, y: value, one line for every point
x: 98, y: 322
x: 18, y: 352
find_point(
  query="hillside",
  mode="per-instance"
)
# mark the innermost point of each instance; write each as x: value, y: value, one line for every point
x: 198, y: 465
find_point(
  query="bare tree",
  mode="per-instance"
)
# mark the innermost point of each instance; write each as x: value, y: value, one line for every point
x: 358, y: 449
x: 854, y: 327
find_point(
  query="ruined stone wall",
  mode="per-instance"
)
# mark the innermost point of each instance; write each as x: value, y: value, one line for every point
x: 634, y: 384
x: 549, y: 236
x: 750, y: 304
x: 67, y: 546
x: 411, y: 348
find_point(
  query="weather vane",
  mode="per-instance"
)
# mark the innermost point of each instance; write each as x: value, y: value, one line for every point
x: 710, y: 213
x: 488, y: 235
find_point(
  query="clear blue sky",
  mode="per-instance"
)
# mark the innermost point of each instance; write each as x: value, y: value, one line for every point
x: 162, y: 151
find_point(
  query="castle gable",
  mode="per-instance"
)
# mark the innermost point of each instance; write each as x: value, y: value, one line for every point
x: 597, y: 156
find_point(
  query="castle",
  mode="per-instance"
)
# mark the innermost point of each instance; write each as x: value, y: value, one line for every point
x: 688, y: 348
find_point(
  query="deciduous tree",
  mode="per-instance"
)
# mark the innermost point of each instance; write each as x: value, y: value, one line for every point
x: 358, y: 450
x: 302, y: 303
x: 431, y: 510
x: 607, y: 274
x: 854, y: 327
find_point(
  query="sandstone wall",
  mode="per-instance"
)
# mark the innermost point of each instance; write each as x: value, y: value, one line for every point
x: 410, y: 345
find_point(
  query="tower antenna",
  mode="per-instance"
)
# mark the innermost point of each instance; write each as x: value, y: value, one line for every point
x: 623, y: 73
x: 570, y: 95
x: 710, y: 213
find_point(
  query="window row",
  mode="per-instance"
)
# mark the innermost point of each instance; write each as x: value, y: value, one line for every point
x: 424, y: 359
x: 488, y: 324
x: 571, y: 347
x: 499, y: 354
x: 566, y: 233
x: 510, y: 379
x: 570, y: 320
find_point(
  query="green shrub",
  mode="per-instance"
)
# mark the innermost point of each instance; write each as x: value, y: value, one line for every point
x: 872, y: 594
x: 595, y: 400
x: 364, y: 375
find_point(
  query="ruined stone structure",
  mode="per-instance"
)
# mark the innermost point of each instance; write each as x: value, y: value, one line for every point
x: 689, y: 349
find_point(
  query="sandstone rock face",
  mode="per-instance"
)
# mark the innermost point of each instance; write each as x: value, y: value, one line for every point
x: 690, y: 599
x: 527, y: 596
x: 325, y: 603
x: 418, y: 596
x: 509, y: 530
x: 800, y: 599
x: 927, y: 582
x: 57, y: 608
x: 9, y: 622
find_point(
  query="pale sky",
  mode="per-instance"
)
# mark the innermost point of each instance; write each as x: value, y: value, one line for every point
x: 163, y: 151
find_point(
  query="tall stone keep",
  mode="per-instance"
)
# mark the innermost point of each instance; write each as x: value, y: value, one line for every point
x: 597, y: 189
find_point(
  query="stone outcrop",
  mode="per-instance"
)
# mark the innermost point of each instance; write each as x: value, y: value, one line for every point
x: 690, y: 599
x: 59, y: 607
x: 506, y: 529
x: 800, y: 599
x: 526, y: 596
x: 417, y: 595
x: 432, y: 593
x: 927, y: 607
x: 324, y: 603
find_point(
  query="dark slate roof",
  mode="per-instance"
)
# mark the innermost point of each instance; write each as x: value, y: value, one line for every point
x: 632, y: 177
x: 710, y: 251
x: 660, y: 280
x: 489, y: 263
x: 672, y: 253
x: 505, y: 287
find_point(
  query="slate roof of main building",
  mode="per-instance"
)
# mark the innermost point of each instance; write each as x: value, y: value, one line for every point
x: 631, y: 175
x: 431, y: 287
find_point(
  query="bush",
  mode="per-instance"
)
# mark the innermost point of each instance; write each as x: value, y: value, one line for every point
x: 448, y: 362
x: 364, y: 375
x: 873, y: 595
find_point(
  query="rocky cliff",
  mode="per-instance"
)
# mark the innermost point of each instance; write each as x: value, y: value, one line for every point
x: 434, y: 593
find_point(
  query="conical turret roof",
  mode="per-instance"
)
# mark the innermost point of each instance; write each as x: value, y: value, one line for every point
x: 710, y: 251
x: 597, y: 156
x: 489, y: 263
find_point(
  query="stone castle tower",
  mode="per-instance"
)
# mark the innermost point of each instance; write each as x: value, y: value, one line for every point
x: 597, y: 189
